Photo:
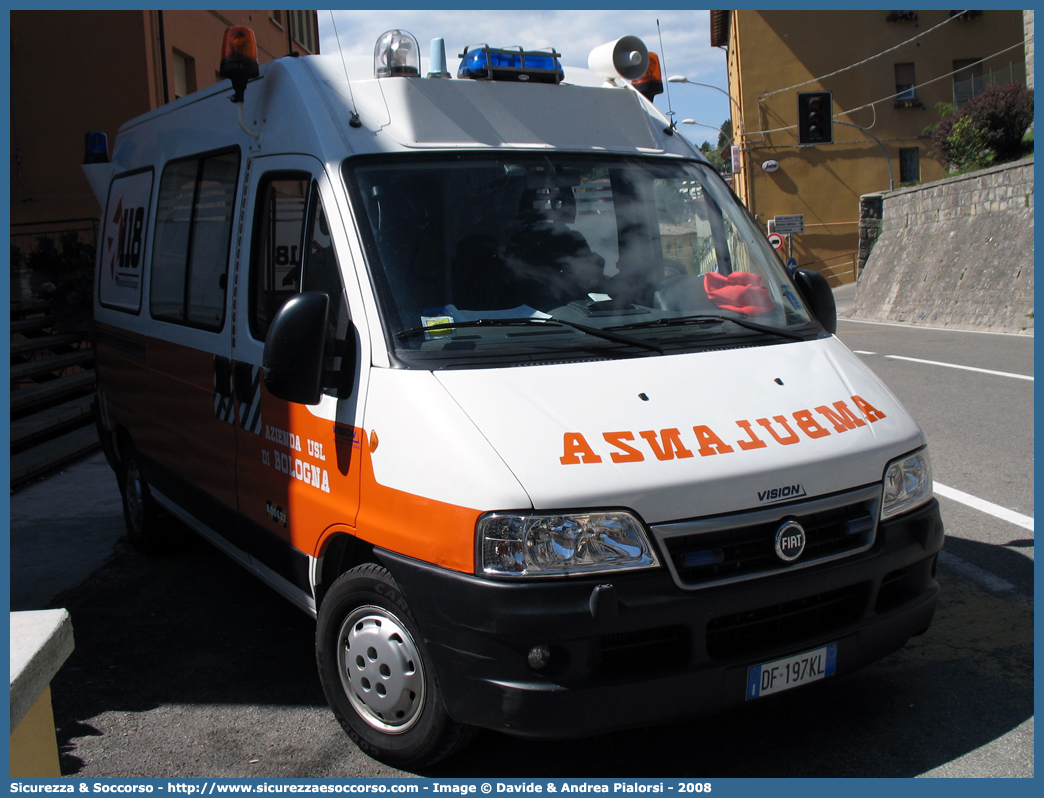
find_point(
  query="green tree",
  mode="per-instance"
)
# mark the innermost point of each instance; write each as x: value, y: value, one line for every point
x: 714, y: 156
x: 725, y: 135
x: 713, y: 153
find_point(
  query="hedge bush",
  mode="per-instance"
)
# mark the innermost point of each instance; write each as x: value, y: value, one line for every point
x: 988, y: 128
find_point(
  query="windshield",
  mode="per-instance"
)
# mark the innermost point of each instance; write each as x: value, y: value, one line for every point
x: 524, y: 257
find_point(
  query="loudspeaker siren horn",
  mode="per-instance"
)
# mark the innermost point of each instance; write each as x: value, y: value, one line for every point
x: 626, y: 58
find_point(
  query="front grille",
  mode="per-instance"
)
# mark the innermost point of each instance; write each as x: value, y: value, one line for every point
x: 785, y: 625
x: 706, y: 552
x: 648, y: 650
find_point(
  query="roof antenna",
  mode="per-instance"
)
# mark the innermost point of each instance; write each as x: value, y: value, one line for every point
x: 667, y: 86
x: 354, y: 121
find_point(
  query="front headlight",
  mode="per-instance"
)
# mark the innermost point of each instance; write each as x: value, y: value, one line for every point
x: 907, y: 483
x: 531, y: 544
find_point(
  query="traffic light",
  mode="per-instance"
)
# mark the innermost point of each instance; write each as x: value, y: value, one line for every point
x: 815, y: 125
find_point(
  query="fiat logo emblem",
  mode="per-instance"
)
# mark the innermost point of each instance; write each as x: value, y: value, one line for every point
x: 790, y: 541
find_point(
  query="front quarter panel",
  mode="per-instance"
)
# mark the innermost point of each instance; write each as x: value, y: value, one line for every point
x: 431, y: 473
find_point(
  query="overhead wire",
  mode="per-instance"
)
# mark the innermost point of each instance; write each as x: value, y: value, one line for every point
x: 937, y: 79
x: 946, y: 21
x: 890, y: 97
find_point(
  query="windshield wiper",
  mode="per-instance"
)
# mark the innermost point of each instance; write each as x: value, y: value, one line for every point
x: 597, y: 332
x: 609, y: 335
x: 711, y: 318
x: 454, y: 325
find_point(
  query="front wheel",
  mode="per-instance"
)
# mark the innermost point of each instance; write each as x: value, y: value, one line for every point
x: 376, y: 673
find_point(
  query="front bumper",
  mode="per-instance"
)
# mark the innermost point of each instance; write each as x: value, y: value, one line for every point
x: 632, y: 650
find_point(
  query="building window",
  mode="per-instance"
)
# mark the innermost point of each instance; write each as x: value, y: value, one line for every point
x: 184, y: 74
x: 967, y: 80
x: 277, y: 17
x: 909, y: 165
x: 904, y: 82
x: 302, y: 30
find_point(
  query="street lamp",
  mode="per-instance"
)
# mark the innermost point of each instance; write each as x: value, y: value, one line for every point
x: 739, y: 111
x: 694, y: 122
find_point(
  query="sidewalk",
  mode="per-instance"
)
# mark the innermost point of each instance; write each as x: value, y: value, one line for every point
x: 63, y: 529
x: 844, y: 298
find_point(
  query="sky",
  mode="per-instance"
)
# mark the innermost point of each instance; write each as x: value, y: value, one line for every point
x: 686, y: 46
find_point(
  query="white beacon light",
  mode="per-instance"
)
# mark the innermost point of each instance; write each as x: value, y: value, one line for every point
x: 396, y: 54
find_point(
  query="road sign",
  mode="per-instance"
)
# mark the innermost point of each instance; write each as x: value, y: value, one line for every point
x: 776, y: 240
x: 789, y: 224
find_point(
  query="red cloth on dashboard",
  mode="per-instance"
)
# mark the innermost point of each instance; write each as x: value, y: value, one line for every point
x: 739, y: 291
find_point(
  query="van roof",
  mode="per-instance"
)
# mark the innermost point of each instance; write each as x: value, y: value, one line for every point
x: 402, y: 114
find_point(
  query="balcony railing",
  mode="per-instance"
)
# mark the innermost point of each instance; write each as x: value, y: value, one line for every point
x: 964, y: 90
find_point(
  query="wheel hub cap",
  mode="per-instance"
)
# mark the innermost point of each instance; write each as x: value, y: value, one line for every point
x: 380, y: 669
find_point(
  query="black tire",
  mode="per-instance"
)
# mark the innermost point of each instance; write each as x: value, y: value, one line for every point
x: 377, y: 675
x: 147, y: 527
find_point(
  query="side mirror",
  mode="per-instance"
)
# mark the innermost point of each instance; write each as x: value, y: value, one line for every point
x: 816, y: 292
x: 292, y: 363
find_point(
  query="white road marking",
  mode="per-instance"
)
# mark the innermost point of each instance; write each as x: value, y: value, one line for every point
x: 955, y: 366
x: 863, y: 352
x: 1003, y: 513
x: 1028, y: 334
x: 989, y: 581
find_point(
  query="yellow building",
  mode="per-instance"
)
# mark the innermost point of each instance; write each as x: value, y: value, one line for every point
x: 76, y: 71
x: 886, y: 72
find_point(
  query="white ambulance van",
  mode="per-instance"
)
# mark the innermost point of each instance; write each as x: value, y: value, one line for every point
x: 494, y: 376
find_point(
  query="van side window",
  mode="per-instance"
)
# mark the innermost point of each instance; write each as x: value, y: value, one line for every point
x: 321, y: 271
x: 193, y: 233
x: 294, y: 252
x: 276, y: 275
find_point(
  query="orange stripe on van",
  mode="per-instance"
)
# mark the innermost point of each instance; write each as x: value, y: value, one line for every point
x: 346, y: 494
x: 425, y: 529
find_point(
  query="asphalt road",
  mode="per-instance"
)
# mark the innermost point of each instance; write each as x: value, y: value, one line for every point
x: 973, y: 395
x: 185, y: 666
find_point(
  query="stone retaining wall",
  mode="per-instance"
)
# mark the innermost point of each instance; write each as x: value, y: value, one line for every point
x: 954, y: 253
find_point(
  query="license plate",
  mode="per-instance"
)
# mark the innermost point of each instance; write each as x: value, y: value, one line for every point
x: 793, y: 671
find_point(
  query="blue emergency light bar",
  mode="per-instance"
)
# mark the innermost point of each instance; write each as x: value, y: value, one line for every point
x: 96, y: 147
x: 482, y: 62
